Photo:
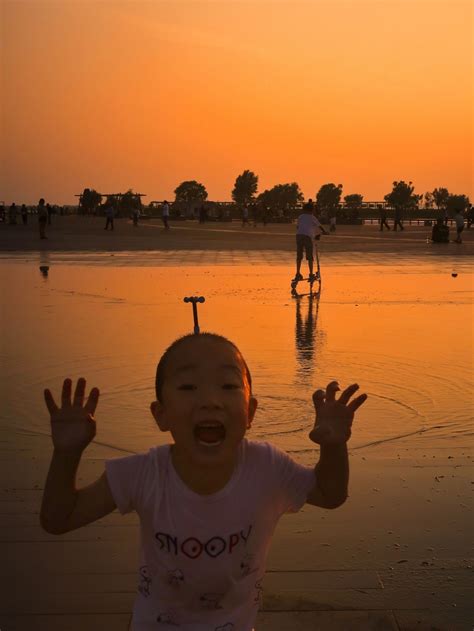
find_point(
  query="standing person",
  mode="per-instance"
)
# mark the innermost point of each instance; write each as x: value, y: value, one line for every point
x: 24, y: 214
x: 445, y: 216
x: 307, y: 228
x: 42, y: 218
x: 470, y: 216
x: 332, y: 222
x: 12, y: 214
x: 209, y: 502
x: 254, y: 211
x: 245, y: 216
x: 459, y: 219
x: 264, y: 214
x: 165, y: 214
x: 398, y: 219
x: 109, y: 217
x: 383, y: 218
x: 135, y: 216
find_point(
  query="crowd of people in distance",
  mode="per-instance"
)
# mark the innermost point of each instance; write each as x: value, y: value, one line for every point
x: 251, y: 214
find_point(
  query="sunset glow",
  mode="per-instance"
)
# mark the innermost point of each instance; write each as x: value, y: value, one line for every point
x: 143, y: 95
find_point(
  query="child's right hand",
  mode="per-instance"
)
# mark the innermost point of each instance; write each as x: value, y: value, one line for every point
x: 72, y: 425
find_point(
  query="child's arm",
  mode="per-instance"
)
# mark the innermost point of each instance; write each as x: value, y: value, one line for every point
x: 64, y: 507
x: 332, y: 430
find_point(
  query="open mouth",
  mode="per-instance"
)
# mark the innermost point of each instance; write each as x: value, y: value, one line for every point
x: 209, y: 433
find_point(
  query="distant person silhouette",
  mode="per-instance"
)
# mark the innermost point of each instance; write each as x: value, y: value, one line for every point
x: 383, y: 219
x: 245, y: 216
x: 307, y: 229
x: 459, y: 219
x: 109, y: 217
x: 165, y: 214
x: 42, y: 218
x: 24, y: 214
x: 50, y: 212
x: 440, y: 232
x: 135, y: 216
x: 12, y: 214
x: 470, y: 216
x: 398, y: 219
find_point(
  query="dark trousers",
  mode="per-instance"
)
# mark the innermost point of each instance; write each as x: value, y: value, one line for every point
x: 383, y: 222
x: 397, y: 222
x: 109, y: 222
x: 165, y: 222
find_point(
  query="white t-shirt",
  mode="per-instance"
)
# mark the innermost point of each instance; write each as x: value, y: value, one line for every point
x: 165, y: 210
x: 203, y: 557
x: 308, y: 224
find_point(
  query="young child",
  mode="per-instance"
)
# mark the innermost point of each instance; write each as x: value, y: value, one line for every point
x: 208, y: 504
x: 306, y: 228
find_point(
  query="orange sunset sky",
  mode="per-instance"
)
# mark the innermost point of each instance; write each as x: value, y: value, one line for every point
x: 117, y: 95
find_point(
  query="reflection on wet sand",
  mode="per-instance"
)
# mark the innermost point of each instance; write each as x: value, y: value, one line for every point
x: 307, y: 336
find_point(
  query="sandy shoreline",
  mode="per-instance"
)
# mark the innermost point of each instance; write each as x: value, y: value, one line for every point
x: 76, y: 233
x: 367, y: 565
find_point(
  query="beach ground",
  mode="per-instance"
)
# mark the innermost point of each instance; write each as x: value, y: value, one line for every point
x: 380, y: 571
x: 79, y: 233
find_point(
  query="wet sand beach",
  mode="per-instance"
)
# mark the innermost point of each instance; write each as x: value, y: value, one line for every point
x: 396, y: 556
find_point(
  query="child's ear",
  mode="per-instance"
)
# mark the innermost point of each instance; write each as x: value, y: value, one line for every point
x: 253, y: 404
x: 156, y: 409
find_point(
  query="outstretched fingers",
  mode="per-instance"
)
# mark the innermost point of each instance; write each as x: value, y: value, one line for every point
x: 79, y: 392
x: 331, y: 390
x: 357, y: 402
x: 66, y: 393
x: 92, y: 401
x: 50, y: 402
x: 318, y: 399
x: 348, y: 392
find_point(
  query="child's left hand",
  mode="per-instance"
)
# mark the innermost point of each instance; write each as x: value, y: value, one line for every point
x: 334, y: 417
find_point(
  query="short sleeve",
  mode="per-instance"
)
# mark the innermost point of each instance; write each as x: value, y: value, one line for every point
x: 291, y: 481
x: 130, y: 478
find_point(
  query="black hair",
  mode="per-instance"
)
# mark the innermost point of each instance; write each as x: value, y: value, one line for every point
x: 164, y: 361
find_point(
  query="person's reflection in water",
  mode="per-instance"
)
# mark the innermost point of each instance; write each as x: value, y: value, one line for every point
x: 44, y: 263
x: 306, y: 335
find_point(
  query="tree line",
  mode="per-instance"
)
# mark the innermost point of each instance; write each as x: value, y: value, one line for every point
x: 282, y: 199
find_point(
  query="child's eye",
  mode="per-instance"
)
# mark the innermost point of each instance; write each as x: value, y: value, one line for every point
x: 230, y: 386
x: 187, y: 386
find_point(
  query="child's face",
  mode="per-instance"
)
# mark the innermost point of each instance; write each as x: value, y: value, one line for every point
x: 206, y: 402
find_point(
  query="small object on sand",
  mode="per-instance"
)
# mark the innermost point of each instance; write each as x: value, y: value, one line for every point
x: 44, y: 269
x: 194, y: 300
x: 454, y: 274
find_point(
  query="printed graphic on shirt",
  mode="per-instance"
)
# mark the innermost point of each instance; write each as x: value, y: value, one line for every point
x: 247, y: 563
x: 193, y: 548
x: 211, y: 601
x: 226, y: 627
x: 175, y: 578
x: 167, y: 617
x: 145, y: 581
x: 259, y: 593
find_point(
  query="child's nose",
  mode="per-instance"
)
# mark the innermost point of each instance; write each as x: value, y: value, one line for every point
x: 210, y: 398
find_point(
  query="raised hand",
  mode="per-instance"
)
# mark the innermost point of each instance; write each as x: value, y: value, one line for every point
x: 334, y: 416
x: 73, y: 424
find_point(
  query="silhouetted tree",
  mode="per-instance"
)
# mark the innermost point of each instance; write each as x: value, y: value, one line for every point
x: 428, y: 199
x: 89, y: 201
x: 440, y: 197
x: 353, y: 204
x: 457, y: 202
x: 129, y: 201
x: 245, y: 187
x: 282, y: 197
x: 402, y: 196
x: 190, y: 192
x: 328, y: 198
